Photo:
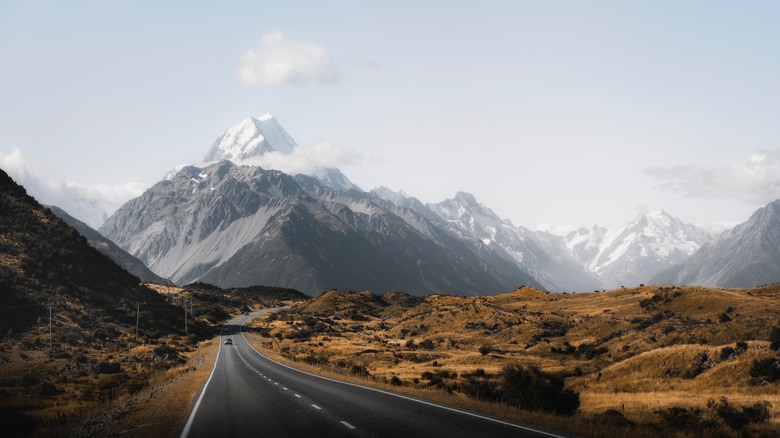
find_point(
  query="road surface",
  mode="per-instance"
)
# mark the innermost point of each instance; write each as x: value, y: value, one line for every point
x: 248, y: 395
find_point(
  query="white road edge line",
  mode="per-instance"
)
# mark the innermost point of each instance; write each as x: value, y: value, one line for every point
x: 316, y: 407
x: 348, y: 425
x: 186, y: 431
x: 447, y: 408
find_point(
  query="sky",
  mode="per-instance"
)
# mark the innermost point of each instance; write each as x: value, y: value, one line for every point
x: 555, y: 114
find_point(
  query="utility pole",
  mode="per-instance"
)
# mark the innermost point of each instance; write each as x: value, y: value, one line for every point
x: 51, y: 350
x: 137, y: 317
x: 185, y: 317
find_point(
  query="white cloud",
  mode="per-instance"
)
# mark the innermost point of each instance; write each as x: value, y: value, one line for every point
x: 91, y: 204
x: 306, y: 159
x: 753, y: 181
x: 369, y: 63
x: 278, y: 62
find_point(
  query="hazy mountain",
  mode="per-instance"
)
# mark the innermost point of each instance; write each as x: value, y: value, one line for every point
x: 235, y: 225
x: 44, y: 261
x: 109, y: 248
x: 747, y: 255
x: 543, y: 255
x: 631, y: 255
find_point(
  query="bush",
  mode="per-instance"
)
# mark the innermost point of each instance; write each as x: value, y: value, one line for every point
x: 485, y: 349
x: 739, y: 417
x: 774, y: 338
x: 532, y: 389
x: 613, y: 418
x: 359, y: 370
x: 679, y: 418
x: 765, y: 370
x: 428, y: 344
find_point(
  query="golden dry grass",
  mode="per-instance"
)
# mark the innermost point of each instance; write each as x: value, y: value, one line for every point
x: 161, y: 410
x: 651, y: 337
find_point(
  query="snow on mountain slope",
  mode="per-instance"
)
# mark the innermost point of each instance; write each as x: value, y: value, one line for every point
x: 262, y: 141
x: 746, y: 256
x: 251, y: 138
x: 632, y: 255
x: 543, y: 255
x: 235, y: 225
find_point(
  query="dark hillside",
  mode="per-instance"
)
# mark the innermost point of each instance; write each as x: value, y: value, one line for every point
x: 45, y: 262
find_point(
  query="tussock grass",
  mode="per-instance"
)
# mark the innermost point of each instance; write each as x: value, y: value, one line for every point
x: 634, y: 350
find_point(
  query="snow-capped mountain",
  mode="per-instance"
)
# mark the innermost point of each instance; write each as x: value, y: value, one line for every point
x: 252, y: 137
x: 746, y: 256
x: 632, y: 255
x: 543, y: 255
x: 235, y: 225
x: 255, y: 137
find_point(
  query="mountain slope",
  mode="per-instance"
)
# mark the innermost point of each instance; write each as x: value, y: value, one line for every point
x: 242, y: 225
x: 632, y: 255
x: 747, y: 255
x: 543, y: 255
x: 109, y: 248
x: 44, y: 261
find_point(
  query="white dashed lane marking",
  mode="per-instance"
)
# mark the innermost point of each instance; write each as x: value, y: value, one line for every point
x: 345, y: 423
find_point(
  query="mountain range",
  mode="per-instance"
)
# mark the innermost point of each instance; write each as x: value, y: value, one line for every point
x: 233, y: 223
x: 234, y: 226
x: 748, y: 255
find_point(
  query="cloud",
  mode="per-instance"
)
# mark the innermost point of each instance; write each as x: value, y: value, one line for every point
x: 308, y: 159
x: 278, y: 62
x: 369, y: 64
x: 753, y: 181
x: 91, y: 204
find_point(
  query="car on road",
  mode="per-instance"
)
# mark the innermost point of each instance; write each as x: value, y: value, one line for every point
x: 228, y: 341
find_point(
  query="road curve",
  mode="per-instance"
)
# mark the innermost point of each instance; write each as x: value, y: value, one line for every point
x: 248, y: 394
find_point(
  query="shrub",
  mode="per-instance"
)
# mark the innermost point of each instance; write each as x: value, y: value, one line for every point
x: 428, y: 344
x: 359, y: 370
x: 765, y: 370
x: 726, y: 353
x: 739, y: 417
x: 613, y: 418
x: 485, y: 349
x: 532, y: 389
x: 680, y: 418
x: 774, y: 338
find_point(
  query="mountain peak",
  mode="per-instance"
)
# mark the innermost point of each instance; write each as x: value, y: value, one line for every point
x: 466, y: 198
x: 253, y: 137
x: 264, y: 117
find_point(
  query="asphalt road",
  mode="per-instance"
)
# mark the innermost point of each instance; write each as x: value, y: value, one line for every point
x: 248, y: 395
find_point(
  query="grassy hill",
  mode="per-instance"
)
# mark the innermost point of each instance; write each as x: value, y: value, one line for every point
x: 641, y: 360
